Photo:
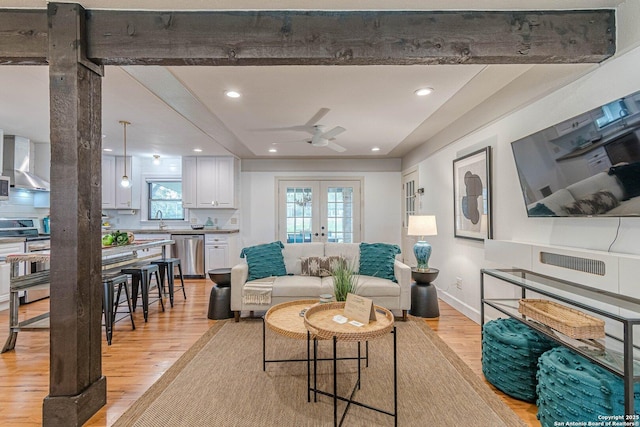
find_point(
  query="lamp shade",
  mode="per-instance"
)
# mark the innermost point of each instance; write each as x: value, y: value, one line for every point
x: 422, y: 225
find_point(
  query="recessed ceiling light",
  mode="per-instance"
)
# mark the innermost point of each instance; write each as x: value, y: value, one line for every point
x: 108, y: 150
x: 423, y: 91
x: 198, y: 150
x: 232, y: 94
x: 375, y: 149
x: 273, y: 150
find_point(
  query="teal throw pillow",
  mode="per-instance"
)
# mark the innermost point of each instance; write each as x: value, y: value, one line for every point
x: 377, y: 259
x: 541, y: 210
x: 264, y: 260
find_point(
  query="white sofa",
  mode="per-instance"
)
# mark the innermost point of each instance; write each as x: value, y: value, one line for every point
x: 294, y: 286
x: 559, y: 200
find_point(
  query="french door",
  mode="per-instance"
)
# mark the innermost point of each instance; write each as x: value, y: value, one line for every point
x: 319, y: 211
x: 409, y: 207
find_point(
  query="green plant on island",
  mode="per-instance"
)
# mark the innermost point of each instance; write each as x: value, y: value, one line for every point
x: 345, y: 279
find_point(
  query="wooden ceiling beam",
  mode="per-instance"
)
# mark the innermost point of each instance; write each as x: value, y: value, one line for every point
x: 119, y: 37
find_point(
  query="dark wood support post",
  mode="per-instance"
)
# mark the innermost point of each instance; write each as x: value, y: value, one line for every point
x: 77, y: 388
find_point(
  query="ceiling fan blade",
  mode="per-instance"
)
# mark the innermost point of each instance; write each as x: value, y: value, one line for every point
x: 317, y: 116
x: 290, y: 142
x: 336, y: 147
x: 333, y: 132
x: 300, y: 128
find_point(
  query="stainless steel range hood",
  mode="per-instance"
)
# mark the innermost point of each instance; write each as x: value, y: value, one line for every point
x: 15, y: 164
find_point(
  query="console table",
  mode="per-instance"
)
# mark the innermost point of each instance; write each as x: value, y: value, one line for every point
x: 613, y: 353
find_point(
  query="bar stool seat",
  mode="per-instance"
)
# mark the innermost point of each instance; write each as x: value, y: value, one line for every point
x: 110, y: 304
x: 167, y: 266
x: 141, y: 277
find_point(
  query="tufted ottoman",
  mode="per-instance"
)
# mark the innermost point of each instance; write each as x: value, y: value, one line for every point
x: 571, y: 388
x: 510, y: 352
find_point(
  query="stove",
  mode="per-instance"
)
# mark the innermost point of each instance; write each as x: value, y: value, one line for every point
x: 34, y: 242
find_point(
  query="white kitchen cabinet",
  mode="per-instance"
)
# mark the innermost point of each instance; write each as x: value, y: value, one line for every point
x: 114, y: 195
x: 5, y: 271
x: 216, y: 249
x: 574, y: 124
x: 581, y: 167
x: 215, y: 182
x: 108, y: 182
x: 189, y: 180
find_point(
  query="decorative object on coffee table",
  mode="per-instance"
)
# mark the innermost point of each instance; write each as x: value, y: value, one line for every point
x: 422, y: 225
x: 220, y: 298
x: 345, y: 280
x: 424, y: 296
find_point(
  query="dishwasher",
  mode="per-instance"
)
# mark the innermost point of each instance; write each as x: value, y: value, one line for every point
x: 190, y: 249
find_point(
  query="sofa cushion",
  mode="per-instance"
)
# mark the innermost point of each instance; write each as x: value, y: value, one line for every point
x: 597, y: 182
x: 293, y: 251
x: 558, y: 200
x: 264, y: 260
x: 377, y: 259
x: 297, y: 286
x: 320, y: 266
x: 594, y: 204
x: 369, y: 286
x: 349, y: 251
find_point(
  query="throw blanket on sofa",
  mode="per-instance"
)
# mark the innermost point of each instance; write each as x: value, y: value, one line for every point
x: 258, y: 291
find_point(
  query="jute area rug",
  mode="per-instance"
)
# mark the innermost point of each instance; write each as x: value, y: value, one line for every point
x: 220, y: 382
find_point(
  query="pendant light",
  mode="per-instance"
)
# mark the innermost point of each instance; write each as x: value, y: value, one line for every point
x: 125, y: 179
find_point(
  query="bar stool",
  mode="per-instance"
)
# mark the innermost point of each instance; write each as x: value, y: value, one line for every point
x: 167, y: 266
x: 141, y: 276
x: 110, y: 305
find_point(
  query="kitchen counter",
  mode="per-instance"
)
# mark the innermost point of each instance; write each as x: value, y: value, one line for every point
x: 178, y: 231
x: 12, y: 239
x: 601, y: 143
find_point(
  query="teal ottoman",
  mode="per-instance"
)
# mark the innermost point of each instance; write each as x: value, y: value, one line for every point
x: 510, y: 352
x: 571, y: 388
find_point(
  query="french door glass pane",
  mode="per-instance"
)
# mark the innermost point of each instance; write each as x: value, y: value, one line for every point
x: 340, y: 214
x: 299, y: 214
x: 410, y: 200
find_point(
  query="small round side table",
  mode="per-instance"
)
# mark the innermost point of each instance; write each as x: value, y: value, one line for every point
x: 424, y: 296
x: 220, y: 298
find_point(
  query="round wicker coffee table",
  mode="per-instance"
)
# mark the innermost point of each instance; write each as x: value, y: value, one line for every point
x: 318, y: 320
x: 285, y: 318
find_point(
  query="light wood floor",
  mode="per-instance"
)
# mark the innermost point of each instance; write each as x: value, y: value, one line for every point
x: 136, y: 359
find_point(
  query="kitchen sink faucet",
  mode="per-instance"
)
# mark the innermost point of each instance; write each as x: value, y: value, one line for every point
x: 161, y: 225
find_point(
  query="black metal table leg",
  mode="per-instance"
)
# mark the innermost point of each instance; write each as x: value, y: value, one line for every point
x: 335, y: 384
x: 264, y: 357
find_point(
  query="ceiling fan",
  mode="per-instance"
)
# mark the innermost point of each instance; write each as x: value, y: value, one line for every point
x: 320, y: 136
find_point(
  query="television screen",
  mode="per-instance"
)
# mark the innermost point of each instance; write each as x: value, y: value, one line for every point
x: 588, y: 165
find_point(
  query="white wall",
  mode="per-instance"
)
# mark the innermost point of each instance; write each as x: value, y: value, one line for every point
x: 381, y: 211
x: 464, y: 258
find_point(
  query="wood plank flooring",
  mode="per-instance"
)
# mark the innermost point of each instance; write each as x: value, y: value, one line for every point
x: 136, y: 359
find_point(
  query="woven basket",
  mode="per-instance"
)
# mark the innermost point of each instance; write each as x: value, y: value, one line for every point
x: 573, y: 323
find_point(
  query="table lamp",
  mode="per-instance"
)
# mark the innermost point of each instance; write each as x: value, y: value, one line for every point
x: 422, y: 225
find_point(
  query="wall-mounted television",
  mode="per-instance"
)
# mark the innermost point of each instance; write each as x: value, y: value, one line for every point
x: 588, y: 165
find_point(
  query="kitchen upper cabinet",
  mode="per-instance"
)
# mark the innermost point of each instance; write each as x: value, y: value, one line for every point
x: 108, y: 182
x: 189, y: 182
x: 572, y: 125
x: 215, y: 182
x: 114, y: 195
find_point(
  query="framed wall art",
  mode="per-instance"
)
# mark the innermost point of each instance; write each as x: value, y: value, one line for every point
x: 472, y: 195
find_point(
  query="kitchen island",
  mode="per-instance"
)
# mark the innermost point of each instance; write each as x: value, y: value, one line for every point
x: 113, y: 258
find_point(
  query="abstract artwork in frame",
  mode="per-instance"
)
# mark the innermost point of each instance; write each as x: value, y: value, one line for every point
x: 472, y: 195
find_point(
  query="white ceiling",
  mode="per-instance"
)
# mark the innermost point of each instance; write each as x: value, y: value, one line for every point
x: 173, y: 110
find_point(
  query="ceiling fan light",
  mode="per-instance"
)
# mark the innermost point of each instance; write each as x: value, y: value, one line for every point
x: 423, y: 91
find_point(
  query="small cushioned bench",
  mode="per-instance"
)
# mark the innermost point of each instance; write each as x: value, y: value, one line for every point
x: 570, y: 387
x: 510, y: 352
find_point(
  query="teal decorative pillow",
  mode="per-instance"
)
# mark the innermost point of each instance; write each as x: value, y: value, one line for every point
x: 264, y: 260
x: 377, y: 259
x: 541, y: 210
